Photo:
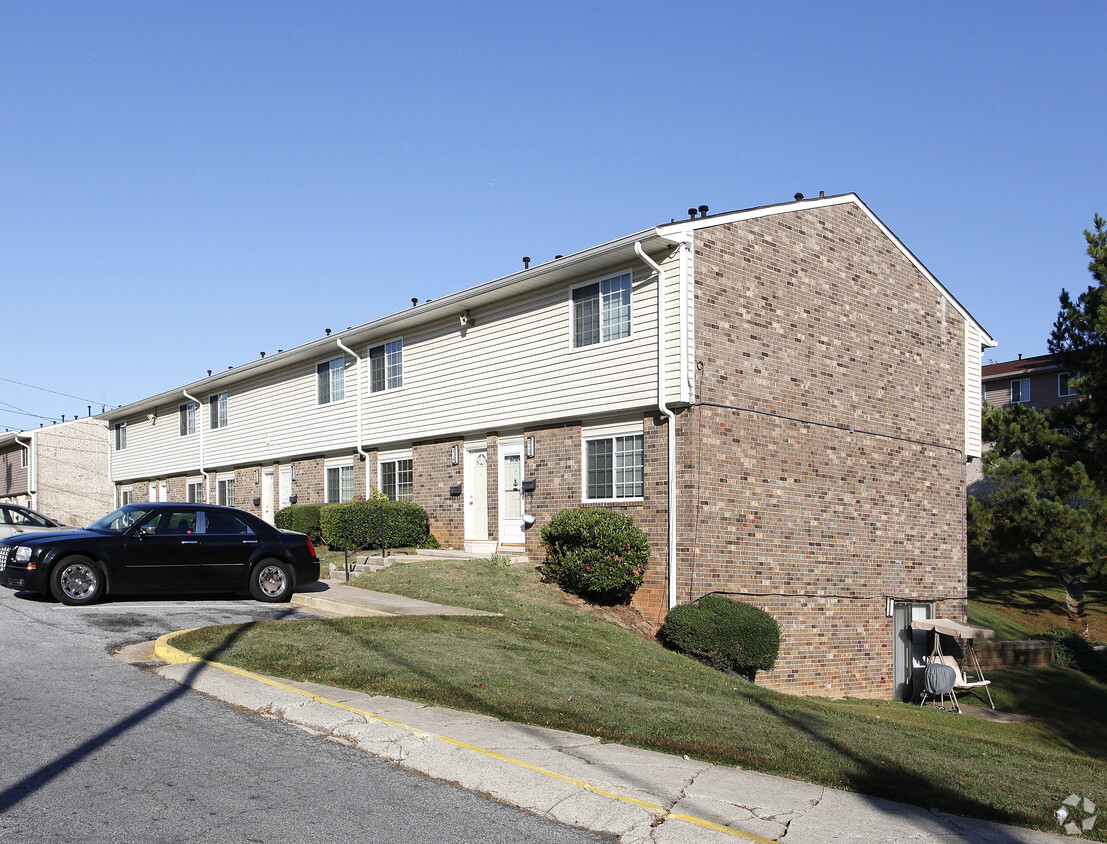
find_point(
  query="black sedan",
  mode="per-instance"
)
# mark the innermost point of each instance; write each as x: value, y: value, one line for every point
x: 159, y: 549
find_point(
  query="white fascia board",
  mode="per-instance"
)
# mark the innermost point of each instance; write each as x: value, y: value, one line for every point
x: 688, y: 226
x: 594, y: 260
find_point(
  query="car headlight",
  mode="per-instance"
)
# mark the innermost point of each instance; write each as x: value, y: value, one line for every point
x: 22, y: 554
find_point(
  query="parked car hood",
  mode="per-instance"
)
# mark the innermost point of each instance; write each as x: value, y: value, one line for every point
x: 47, y: 537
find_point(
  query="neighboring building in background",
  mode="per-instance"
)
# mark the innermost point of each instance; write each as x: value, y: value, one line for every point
x: 60, y: 470
x: 783, y: 398
x: 1039, y: 382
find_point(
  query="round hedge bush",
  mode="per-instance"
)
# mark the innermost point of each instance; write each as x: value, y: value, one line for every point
x: 725, y: 634
x: 596, y: 553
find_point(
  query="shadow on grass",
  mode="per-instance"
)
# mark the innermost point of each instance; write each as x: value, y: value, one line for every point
x: 1059, y: 700
x: 38, y: 779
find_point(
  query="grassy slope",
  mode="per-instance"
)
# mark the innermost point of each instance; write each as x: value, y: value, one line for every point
x: 547, y: 662
x: 1019, y: 604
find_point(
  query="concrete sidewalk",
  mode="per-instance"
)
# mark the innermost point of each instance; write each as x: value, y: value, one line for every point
x: 636, y: 795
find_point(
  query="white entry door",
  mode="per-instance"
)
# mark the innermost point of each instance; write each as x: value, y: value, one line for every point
x: 285, y: 486
x: 476, y: 498
x: 153, y: 496
x: 163, y: 491
x: 267, y: 495
x: 511, y: 493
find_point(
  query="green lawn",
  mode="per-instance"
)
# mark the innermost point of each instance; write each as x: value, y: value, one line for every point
x: 1018, y: 604
x: 549, y: 662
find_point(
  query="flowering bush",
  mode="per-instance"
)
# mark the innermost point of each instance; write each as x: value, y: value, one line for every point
x: 596, y: 553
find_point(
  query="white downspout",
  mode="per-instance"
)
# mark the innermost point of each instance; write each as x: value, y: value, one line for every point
x: 662, y: 405
x: 32, y: 469
x: 200, y: 428
x: 360, y: 450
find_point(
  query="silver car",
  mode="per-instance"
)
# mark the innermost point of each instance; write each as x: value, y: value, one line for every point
x: 15, y: 520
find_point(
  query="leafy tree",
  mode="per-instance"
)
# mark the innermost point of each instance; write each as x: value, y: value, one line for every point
x: 1050, y: 504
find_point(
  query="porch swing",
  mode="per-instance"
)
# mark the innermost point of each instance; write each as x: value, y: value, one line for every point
x: 966, y: 633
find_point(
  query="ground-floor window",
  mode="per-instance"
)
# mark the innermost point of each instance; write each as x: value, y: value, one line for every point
x: 613, y: 467
x: 340, y: 484
x: 126, y: 495
x: 397, y: 478
x: 195, y: 491
x: 225, y: 491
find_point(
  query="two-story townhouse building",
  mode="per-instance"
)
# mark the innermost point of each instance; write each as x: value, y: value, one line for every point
x: 60, y: 470
x: 783, y: 398
x: 1040, y: 381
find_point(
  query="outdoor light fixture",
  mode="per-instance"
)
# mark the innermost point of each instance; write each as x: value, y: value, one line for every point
x: 453, y: 455
x: 257, y: 476
x: 293, y: 471
x: 530, y: 446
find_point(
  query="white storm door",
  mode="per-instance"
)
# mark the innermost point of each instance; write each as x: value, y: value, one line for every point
x: 476, y: 495
x: 267, y: 496
x: 163, y: 491
x: 153, y: 493
x: 285, y: 486
x: 511, y: 493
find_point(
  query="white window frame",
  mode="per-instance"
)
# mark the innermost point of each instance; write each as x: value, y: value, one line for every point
x: 120, y: 436
x: 333, y: 372
x: 344, y: 478
x: 614, y: 434
x: 217, y: 410
x: 197, y: 484
x: 1024, y: 396
x: 126, y: 495
x: 394, y: 458
x: 1068, y: 377
x: 186, y: 414
x: 221, y: 490
x: 23, y: 462
x: 604, y: 338
x: 392, y: 354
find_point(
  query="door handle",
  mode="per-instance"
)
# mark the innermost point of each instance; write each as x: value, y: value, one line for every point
x: 189, y: 541
x: 249, y: 542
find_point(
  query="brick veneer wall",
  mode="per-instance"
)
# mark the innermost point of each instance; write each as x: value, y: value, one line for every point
x: 814, y: 315
x: 433, y: 474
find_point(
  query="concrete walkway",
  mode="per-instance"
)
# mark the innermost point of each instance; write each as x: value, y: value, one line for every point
x: 636, y: 795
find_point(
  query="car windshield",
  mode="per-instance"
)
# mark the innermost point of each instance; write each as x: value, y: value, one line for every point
x: 121, y: 519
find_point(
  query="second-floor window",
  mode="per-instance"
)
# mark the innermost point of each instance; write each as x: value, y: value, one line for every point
x: 187, y: 413
x: 330, y: 377
x: 601, y: 311
x: 217, y: 411
x: 1020, y: 390
x: 386, y: 366
x: 1064, y: 384
x: 120, y: 436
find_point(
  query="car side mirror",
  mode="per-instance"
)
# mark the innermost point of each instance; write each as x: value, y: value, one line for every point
x: 147, y: 530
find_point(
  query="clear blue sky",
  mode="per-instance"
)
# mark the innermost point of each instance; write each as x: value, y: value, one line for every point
x: 185, y: 185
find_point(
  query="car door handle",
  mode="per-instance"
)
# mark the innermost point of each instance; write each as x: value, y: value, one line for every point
x: 249, y: 542
x: 189, y: 541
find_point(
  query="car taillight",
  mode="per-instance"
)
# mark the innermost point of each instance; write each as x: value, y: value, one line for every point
x: 311, y: 548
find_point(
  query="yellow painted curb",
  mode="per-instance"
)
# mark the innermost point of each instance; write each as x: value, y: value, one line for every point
x: 174, y: 656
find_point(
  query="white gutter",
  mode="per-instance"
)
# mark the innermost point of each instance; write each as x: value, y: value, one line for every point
x: 360, y: 450
x: 200, y: 428
x: 662, y: 405
x: 32, y: 468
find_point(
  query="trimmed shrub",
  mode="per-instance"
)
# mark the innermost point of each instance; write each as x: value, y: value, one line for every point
x: 724, y: 633
x: 301, y: 517
x: 1070, y: 650
x: 405, y: 525
x: 596, y: 553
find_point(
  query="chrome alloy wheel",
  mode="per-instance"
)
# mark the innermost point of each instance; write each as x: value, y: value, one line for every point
x: 78, y: 581
x: 272, y: 581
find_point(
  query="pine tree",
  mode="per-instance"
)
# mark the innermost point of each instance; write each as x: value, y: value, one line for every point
x: 1050, y: 505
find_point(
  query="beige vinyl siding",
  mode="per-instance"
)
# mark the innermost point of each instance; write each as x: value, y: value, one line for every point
x: 278, y: 416
x: 517, y: 364
x: 972, y: 390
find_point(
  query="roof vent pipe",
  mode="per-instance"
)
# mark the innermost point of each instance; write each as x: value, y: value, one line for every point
x: 798, y: 197
x: 328, y: 331
x: 526, y: 262
x: 414, y: 301
x: 692, y: 213
x: 703, y: 210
